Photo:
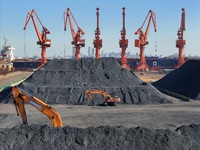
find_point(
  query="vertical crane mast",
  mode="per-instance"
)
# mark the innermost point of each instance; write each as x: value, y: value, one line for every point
x: 42, y: 37
x: 181, y: 42
x: 97, y: 41
x: 142, y: 41
x: 123, y: 43
x: 77, y: 41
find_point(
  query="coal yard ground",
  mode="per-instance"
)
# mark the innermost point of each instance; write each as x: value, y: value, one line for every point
x: 135, y: 127
x: 145, y: 118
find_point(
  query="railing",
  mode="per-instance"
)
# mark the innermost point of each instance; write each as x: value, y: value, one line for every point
x: 11, y: 83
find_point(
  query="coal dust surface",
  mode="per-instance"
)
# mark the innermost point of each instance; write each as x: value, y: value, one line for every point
x: 65, y: 81
x: 183, y: 81
x: 100, y: 138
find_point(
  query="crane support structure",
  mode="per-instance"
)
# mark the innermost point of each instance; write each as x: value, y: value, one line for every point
x: 142, y: 41
x: 97, y: 41
x: 123, y: 42
x: 77, y: 41
x: 42, y: 37
x: 181, y: 42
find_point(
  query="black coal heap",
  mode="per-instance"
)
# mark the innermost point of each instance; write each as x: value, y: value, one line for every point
x: 183, y: 81
x: 65, y: 81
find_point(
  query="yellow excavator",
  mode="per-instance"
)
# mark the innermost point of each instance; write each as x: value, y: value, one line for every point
x: 20, y: 96
x: 109, y: 101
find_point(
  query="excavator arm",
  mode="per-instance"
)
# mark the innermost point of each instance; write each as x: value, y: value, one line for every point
x: 20, y: 96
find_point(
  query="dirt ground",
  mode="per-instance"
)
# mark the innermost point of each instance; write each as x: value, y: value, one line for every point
x: 105, y: 127
x: 163, y: 116
x: 150, y: 76
x: 5, y: 79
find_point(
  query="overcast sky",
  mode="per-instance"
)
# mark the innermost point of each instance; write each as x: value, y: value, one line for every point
x: 168, y: 14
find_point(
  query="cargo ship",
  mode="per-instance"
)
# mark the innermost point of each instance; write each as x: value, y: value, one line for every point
x: 6, y: 57
x: 7, y: 52
x: 26, y: 64
x: 153, y: 63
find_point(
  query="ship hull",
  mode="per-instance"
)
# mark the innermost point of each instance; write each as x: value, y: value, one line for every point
x: 26, y: 65
x: 153, y: 63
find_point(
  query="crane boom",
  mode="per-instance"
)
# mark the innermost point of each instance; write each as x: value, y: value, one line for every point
x: 42, y: 39
x: 181, y: 42
x: 31, y: 15
x: 20, y: 96
x: 97, y: 41
x: 142, y: 41
x: 77, y: 41
x: 123, y: 42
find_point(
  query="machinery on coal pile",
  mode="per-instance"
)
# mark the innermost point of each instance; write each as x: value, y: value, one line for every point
x: 43, y: 41
x: 77, y: 41
x: 109, y: 101
x: 142, y: 41
x: 20, y: 96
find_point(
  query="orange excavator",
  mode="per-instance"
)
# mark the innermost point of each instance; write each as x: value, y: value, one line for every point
x: 20, y: 96
x: 77, y: 41
x: 142, y: 41
x: 110, y: 101
x: 123, y: 43
x: 181, y: 42
x: 42, y: 37
x: 97, y: 41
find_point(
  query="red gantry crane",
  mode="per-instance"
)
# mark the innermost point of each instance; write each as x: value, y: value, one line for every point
x: 77, y: 41
x: 42, y: 37
x: 142, y: 41
x: 97, y: 41
x: 181, y: 42
x: 123, y: 43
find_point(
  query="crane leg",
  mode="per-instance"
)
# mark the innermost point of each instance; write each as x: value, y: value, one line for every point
x: 44, y: 56
x: 143, y: 65
x: 124, y: 59
x: 97, y: 53
x: 77, y: 53
x: 181, y: 58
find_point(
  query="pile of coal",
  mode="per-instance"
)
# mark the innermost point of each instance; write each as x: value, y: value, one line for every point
x: 5, y: 95
x: 183, y: 81
x: 99, y: 138
x: 65, y: 81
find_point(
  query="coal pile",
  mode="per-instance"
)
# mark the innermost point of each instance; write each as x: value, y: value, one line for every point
x: 65, y: 81
x: 100, y: 138
x: 183, y: 81
x: 5, y: 95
